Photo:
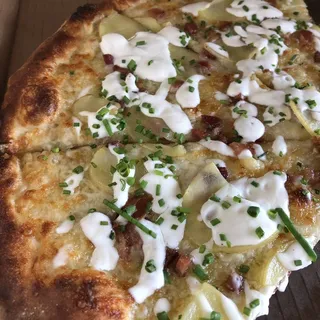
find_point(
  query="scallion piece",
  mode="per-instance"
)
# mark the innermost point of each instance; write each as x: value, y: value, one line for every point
x: 150, y: 266
x: 303, y: 242
x: 78, y: 169
x: 107, y: 126
x: 134, y: 221
x: 215, y: 221
x: 254, y: 303
x: 163, y: 316
x: 298, y: 263
x: 200, y: 273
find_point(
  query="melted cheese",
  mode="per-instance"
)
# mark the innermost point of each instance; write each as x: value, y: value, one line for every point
x: 149, y: 52
x: 97, y: 228
x: 188, y: 95
x: 153, y: 249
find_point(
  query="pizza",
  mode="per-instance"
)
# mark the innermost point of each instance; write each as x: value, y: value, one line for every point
x: 160, y: 160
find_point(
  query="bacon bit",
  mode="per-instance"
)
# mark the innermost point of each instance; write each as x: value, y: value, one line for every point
x: 239, y: 147
x: 128, y: 243
x: 224, y: 25
x: 198, y: 134
x: 140, y: 85
x: 157, y: 13
x: 141, y: 204
x: 300, y: 197
x: 191, y: 28
x: 175, y: 86
x: 237, y: 98
x: 171, y: 256
x: 211, y: 35
x: 303, y: 39
x: 121, y: 70
x: 205, y: 67
x: 224, y: 172
x: 108, y: 59
x: 234, y: 283
x: 211, y: 122
x: 183, y: 264
x: 317, y: 57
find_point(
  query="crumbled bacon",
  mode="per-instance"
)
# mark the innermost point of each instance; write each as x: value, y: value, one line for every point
x: 234, y: 283
x: 317, y: 57
x: 224, y: 172
x: 156, y: 13
x: 191, y: 28
x: 175, y: 86
x: 121, y: 70
x: 198, y: 134
x: 177, y: 262
x: 303, y: 39
x: 108, y: 59
x: 239, y: 147
x: 205, y: 67
x: 210, y: 126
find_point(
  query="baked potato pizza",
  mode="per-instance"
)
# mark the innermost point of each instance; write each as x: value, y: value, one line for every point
x: 160, y: 160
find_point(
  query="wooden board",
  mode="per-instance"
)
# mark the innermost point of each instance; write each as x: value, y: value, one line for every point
x: 24, y: 27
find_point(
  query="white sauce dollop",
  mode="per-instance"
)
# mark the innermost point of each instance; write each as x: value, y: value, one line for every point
x: 162, y: 305
x: 148, y: 51
x: 61, y: 257
x: 188, y: 95
x: 121, y: 189
x: 215, y: 48
x: 195, y: 8
x: 153, y: 249
x: 279, y: 146
x: 73, y: 182
x: 175, y: 36
x: 294, y: 253
x: 77, y: 124
x: 250, y: 128
x: 97, y: 228
x: 65, y: 226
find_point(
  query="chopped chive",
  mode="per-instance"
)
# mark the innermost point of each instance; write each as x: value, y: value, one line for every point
x: 95, y: 135
x: 63, y: 184
x: 150, y: 266
x: 143, y: 184
x: 311, y: 103
x: 159, y: 221
x: 161, y: 202
x: 104, y: 223
x: 254, y: 303
x: 78, y: 169
x: 158, y: 190
x: 202, y: 248
x: 223, y: 237
x: 179, y: 196
x: 72, y: 218
x: 226, y: 205
x: 132, y: 66
x: 246, y: 311
x: 237, y: 199
x: 141, y: 43
x: 158, y: 172
x: 174, y: 227
x: 243, y: 268
x: 172, y: 80
x: 255, y: 184
x: 94, y: 165
x: 55, y: 150
x: 298, y: 263
x: 92, y: 210
x: 66, y: 192
x: 215, y: 221
x: 107, y: 126
x: 112, y: 235
x: 150, y: 62
x: 259, y: 232
x: 131, y: 181
x: 277, y: 172
x: 162, y: 316
x: 200, y: 273
x: 214, y: 315
x: 191, y: 89
x: 76, y: 124
x: 166, y: 275
x: 253, y: 211
x: 303, y: 242
x: 208, y: 259
x: 215, y: 198
x: 272, y: 214
x: 125, y: 215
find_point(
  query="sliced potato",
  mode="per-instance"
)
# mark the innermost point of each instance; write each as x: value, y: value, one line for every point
x: 100, y: 173
x: 149, y: 23
x: 306, y: 120
x: 117, y: 23
x: 88, y: 103
x: 217, y: 12
x: 252, y: 164
x: 168, y: 150
x: 208, y: 181
x: 194, y: 309
x: 154, y: 125
x: 266, y: 270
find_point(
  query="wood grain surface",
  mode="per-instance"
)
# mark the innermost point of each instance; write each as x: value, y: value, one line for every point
x: 24, y: 27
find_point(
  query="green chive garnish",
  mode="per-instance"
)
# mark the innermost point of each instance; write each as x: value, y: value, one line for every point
x: 253, y: 211
x: 150, y: 266
x: 78, y: 169
x: 200, y: 273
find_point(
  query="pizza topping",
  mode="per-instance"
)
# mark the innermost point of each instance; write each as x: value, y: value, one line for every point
x: 195, y: 8
x: 162, y: 305
x: 188, y: 95
x: 108, y: 59
x: 123, y: 178
x: 154, y: 251
x: 254, y: 10
x: 62, y: 256
x: 156, y: 106
x: 295, y: 257
x: 73, y: 181
x: 115, y: 86
x: 249, y: 128
x: 250, y: 214
x: 66, y: 225
x: 259, y: 152
x: 164, y: 188
x: 286, y: 26
x: 175, y: 36
x: 279, y: 146
x: 218, y: 146
x: 77, y: 125
x: 214, y: 48
x: 136, y: 58
x: 104, y: 256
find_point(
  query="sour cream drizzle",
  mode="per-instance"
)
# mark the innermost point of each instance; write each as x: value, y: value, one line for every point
x: 188, y: 95
x: 195, y: 8
x: 279, y: 146
x: 98, y: 229
x: 61, y: 258
x: 265, y: 193
x: 154, y: 250
x: 120, y: 187
x: 147, y: 52
x: 73, y: 182
x: 65, y: 226
x: 175, y: 36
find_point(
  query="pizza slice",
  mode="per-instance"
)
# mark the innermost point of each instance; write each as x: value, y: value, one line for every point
x: 167, y: 75
x: 145, y: 231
